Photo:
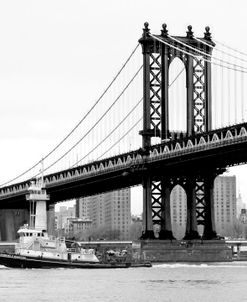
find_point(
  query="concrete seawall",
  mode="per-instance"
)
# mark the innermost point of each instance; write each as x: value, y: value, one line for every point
x: 165, y: 250
x: 186, y: 251
x: 8, y: 247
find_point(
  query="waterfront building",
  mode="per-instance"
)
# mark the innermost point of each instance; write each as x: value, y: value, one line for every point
x: 110, y: 210
x: 75, y: 226
x: 62, y: 215
x: 225, y: 204
x: 136, y: 218
x: 82, y: 208
x: 240, y: 205
x: 243, y: 222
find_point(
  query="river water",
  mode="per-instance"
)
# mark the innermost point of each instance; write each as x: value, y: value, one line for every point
x: 221, y: 282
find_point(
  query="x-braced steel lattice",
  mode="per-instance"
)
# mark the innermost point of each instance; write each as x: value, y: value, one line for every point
x: 199, y: 94
x: 155, y: 93
x: 200, y: 202
x: 156, y: 202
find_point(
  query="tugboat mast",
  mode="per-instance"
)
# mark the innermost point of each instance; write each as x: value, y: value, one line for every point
x: 38, y: 198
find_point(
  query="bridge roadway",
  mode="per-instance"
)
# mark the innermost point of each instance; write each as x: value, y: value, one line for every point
x: 217, y: 149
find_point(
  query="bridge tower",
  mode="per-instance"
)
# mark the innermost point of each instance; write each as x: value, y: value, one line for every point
x: 158, y: 53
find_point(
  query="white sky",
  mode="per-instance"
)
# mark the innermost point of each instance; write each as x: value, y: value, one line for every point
x: 57, y: 57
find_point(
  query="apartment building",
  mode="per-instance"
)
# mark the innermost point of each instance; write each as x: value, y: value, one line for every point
x: 110, y: 210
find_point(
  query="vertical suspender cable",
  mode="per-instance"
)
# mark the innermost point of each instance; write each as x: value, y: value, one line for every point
x: 242, y: 98
x: 235, y: 96
x: 214, y: 93
x: 228, y: 95
x: 222, y: 96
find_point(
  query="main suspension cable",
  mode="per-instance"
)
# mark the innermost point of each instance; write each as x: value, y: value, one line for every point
x: 174, y: 80
x: 86, y: 134
x: 220, y: 50
x: 122, y: 137
x: 78, y: 124
x: 190, y: 54
x: 119, y: 124
x: 206, y: 54
x: 233, y: 49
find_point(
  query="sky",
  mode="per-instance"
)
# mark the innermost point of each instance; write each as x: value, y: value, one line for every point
x: 57, y: 57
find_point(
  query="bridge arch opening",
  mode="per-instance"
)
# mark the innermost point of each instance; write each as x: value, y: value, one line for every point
x: 178, y: 211
x: 177, y: 96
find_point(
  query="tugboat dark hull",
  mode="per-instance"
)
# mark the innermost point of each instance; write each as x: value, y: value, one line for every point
x: 16, y: 261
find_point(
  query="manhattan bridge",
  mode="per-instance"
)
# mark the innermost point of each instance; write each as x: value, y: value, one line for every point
x: 174, y: 114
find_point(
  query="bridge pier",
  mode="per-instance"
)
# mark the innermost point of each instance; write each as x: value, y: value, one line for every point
x: 166, y: 226
x: 51, y: 219
x: 191, y: 224
x: 209, y: 220
x: 148, y: 232
x: 10, y: 221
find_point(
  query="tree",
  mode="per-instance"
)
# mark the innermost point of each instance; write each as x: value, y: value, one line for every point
x: 235, y: 231
x: 100, y: 233
x: 135, y: 230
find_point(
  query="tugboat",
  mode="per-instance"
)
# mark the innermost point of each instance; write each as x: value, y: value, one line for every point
x: 37, y: 249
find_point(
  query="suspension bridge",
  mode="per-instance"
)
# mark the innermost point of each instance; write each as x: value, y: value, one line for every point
x: 175, y: 115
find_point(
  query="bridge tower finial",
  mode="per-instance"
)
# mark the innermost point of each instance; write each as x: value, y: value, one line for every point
x: 146, y: 30
x: 164, y: 31
x: 207, y: 34
x: 190, y: 32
